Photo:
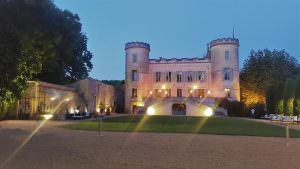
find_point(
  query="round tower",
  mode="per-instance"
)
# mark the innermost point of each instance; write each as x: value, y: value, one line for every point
x: 225, y: 68
x: 137, y: 79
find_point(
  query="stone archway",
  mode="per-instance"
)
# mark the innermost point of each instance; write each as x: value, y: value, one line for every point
x: 178, y: 109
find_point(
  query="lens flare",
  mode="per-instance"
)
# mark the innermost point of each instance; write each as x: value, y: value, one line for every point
x: 47, y: 116
x: 150, y: 111
x: 208, y: 112
x: 31, y: 135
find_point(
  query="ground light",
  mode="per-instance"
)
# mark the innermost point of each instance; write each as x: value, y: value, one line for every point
x: 208, y: 112
x: 150, y: 111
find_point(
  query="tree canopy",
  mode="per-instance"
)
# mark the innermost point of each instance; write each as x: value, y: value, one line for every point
x: 262, y: 69
x: 39, y: 41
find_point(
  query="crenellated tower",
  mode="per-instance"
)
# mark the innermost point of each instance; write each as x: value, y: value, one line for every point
x: 137, y: 79
x: 224, y: 55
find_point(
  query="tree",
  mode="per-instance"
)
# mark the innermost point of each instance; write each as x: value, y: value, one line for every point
x: 297, y: 97
x: 20, y: 60
x: 39, y: 41
x: 278, y: 98
x: 270, y: 99
x: 71, y: 60
x: 55, y: 33
x: 288, y: 96
x: 262, y: 69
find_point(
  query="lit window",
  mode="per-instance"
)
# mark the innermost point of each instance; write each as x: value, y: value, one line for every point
x: 226, y: 55
x: 227, y: 92
x: 190, y: 92
x: 134, y: 75
x: 157, y: 92
x: 134, y: 93
x: 168, y: 92
x: 179, y: 92
x: 134, y: 58
x: 199, y: 93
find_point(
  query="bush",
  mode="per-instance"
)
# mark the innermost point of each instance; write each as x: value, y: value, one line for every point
x: 234, y: 108
x: 259, y: 110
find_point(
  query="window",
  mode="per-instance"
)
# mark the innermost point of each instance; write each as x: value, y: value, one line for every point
x: 189, y: 77
x: 227, y: 92
x: 134, y: 75
x: 179, y: 77
x: 227, y: 74
x: 199, y: 93
x: 168, y: 92
x: 157, y: 76
x: 168, y: 76
x: 134, y: 58
x: 179, y: 92
x: 157, y: 93
x: 201, y: 76
x: 134, y: 93
x: 190, y: 92
x: 226, y: 55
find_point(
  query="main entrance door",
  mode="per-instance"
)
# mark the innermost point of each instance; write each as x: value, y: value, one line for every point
x: 179, y: 109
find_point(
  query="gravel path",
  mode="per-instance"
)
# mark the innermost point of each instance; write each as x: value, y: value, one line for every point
x: 55, y: 148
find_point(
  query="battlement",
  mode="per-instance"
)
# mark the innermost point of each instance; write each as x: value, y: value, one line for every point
x: 178, y: 60
x: 223, y: 41
x: 137, y: 45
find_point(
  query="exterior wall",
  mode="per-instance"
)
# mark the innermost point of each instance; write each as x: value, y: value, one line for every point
x: 193, y: 108
x: 85, y: 95
x: 42, y: 97
x: 183, y: 67
x: 214, y: 85
x: 95, y: 94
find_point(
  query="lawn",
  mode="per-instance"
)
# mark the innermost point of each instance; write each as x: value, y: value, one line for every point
x: 179, y: 124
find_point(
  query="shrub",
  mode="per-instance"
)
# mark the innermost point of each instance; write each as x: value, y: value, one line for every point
x: 234, y: 108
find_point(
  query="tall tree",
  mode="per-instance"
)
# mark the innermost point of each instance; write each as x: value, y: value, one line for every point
x: 55, y: 33
x: 288, y: 96
x: 297, y: 97
x: 262, y: 69
x: 39, y: 41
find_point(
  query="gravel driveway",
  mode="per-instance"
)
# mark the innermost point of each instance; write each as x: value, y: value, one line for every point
x: 55, y: 148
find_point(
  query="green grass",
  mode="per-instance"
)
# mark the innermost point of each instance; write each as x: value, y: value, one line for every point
x: 202, y: 125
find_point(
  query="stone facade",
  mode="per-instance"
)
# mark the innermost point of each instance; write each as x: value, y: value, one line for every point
x: 88, y: 95
x: 95, y: 94
x: 191, y: 82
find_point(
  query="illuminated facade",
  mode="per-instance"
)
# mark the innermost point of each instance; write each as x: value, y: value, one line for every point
x: 181, y: 85
x: 88, y: 95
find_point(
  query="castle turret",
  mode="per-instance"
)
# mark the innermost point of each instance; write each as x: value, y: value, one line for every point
x: 137, y: 79
x: 225, y: 68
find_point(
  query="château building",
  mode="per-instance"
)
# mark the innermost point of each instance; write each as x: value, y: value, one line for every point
x: 185, y: 86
